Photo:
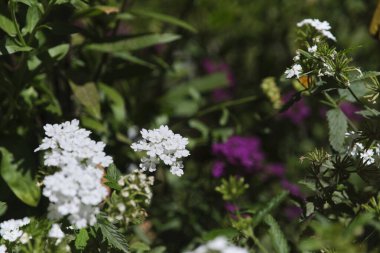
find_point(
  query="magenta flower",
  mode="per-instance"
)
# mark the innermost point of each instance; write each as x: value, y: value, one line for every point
x: 218, y: 169
x: 350, y: 110
x: 293, y: 189
x: 298, y: 112
x: 275, y: 169
x: 223, y: 94
x: 241, y: 151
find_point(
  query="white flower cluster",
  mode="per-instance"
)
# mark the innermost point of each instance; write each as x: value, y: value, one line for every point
x: 76, y: 189
x: 368, y: 155
x: 162, y: 144
x: 10, y: 229
x: 3, y: 249
x: 219, y: 245
x: 321, y: 26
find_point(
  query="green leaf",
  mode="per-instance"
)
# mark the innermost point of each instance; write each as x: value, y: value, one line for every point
x: 112, y: 176
x: 277, y: 237
x: 7, y: 26
x: 132, y: 44
x: 201, y: 84
x: 113, y: 236
x: 32, y: 18
x: 227, y: 232
x: 81, y: 239
x: 165, y: 18
x: 3, y: 208
x: 10, y: 47
x: 140, y: 246
x: 88, y: 96
x: 224, y: 118
x: 269, y: 207
x: 337, y: 128
x: 21, y: 184
x: 117, y: 102
x: 59, y: 52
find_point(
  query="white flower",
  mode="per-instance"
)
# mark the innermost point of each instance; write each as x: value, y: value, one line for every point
x: 220, y: 245
x: 67, y: 143
x: 56, y: 233
x: 367, y: 156
x: 76, y: 189
x: 322, y: 26
x: 25, y: 238
x: 312, y: 49
x: 162, y: 145
x: 10, y: 229
x: 295, y: 70
x: 3, y: 249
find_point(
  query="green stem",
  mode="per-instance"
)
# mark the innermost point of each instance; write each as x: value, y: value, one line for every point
x: 13, y: 14
x: 356, y: 98
x: 257, y: 241
x: 227, y: 104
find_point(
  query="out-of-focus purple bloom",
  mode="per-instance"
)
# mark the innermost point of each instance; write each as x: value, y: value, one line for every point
x: 292, y: 212
x: 350, y: 110
x: 219, y: 95
x: 292, y: 188
x: 298, y: 112
x: 218, y: 169
x: 241, y: 151
x: 275, y: 169
x: 231, y: 208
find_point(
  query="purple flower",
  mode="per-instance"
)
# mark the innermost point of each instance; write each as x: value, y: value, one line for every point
x: 219, y: 95
x: 241, y: 151
x: 218, y: 169
x: 231, y: 208
x: 293, y: 189
x: 350, y: 110
x: 275, y: 169
x: 298, y: 112
x: 292, y: 212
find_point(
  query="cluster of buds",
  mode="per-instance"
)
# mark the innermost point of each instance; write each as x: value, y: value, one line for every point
x: 127, y: 206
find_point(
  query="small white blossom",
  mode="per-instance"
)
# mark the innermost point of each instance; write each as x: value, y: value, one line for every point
x: 295, y: 70
x: 322, y: 26
x: 162, y: 145
x: 3, y: 249
x: 10, y: 229
x: 219, y: 245
x: 312, y: 49
x: 56, y: 233
x: 367, y: 157
x: 25, y: 238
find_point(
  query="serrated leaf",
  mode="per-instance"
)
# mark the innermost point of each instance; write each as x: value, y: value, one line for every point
x: 337, y: 128
x: 165, y: 18
x: 3, y: 207
x: 269, y: 207
x: 7, y: 26
x: 140, y: 246
x: 81, y: 239
x: 113, y: 236
x: 278, y: 238
x: 21, y: 183
x: 88, y: 96
x: 132, y: 44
